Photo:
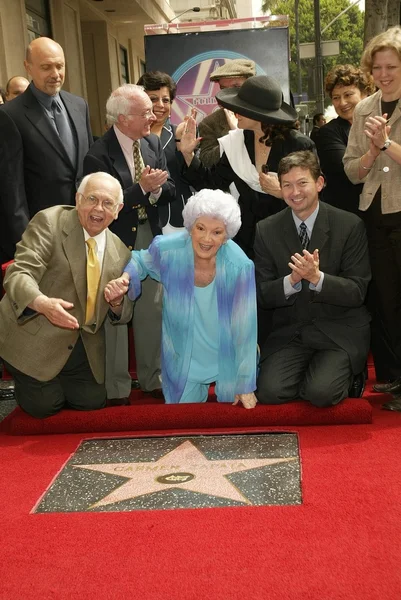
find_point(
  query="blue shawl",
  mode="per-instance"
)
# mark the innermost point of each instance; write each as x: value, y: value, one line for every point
x: 170, y: 260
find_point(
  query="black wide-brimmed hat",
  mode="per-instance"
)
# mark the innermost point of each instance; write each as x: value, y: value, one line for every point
x: 259, y: 98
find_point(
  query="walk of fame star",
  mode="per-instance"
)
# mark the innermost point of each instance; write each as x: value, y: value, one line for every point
x: 171, y: 472
x: 209, y: 477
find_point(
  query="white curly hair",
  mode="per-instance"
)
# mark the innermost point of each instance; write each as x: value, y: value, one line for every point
x: 215, y: 204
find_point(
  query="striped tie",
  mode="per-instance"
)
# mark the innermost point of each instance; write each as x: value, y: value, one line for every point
x: 139, y: 167
x: 303, y: 236
x: 92, y: 279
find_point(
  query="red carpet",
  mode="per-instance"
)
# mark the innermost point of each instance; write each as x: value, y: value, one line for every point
x: 342, y: 543
x: 155, y: 417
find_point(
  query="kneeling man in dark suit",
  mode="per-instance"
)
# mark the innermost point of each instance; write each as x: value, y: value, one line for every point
x: 52, y: 315
x: 312, y: 270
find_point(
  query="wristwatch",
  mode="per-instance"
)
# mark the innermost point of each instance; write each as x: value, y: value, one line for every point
x: 387, y: 143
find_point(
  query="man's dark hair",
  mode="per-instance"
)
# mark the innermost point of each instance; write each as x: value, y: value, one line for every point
x: 154, y: 80
x: 317, y: 117
x: 304, y: 159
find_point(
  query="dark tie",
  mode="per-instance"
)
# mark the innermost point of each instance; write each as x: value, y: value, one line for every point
x: 64, y: 130
x: 139, y: 167
x: 303, y: 236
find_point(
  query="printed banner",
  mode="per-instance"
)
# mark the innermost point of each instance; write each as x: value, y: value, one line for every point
x: 190, y: 58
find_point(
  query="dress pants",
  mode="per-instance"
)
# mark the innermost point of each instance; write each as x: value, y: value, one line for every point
x: 117, y: 377
x: 384, y: 243
x: 310, y: 367
x: 147, y: 325
x: 74, y: 387
x: 147, y: 322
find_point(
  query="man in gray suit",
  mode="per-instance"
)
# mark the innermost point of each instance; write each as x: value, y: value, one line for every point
x: 52, y: 315
x: 312, y: 271
x: 54, y: 128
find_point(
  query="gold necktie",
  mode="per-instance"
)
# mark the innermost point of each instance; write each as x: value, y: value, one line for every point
x: 139, y: 167
x: 92, y: 279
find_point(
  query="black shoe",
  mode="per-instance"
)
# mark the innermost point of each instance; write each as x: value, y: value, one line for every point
x: 394, y: 404
x: 135, y: 385
x: 118, y: 402
x: 357, y: 386
x: 388, y: 388
x: 157, y: 393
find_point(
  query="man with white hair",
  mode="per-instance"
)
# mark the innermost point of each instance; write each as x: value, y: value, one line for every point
x: 52, y: 315
x: 133, y: 155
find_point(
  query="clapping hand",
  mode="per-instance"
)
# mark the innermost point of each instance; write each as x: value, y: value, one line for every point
x: 152, y: 179
x: 305, y: 266
x: 377, y: 131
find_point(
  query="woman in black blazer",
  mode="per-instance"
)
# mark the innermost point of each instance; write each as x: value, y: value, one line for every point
x: 161, y: 89
x: 347, y: 86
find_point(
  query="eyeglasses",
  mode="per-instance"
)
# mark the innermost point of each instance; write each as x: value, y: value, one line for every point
x: 92, y: 201
x: 146, y: 115
x: 155, y: 100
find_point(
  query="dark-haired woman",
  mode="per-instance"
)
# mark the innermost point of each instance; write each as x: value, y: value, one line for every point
x: 250, y: 154
x: 161, y: 89
x: 347, y: 86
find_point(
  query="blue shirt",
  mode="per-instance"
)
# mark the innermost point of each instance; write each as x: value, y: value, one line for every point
x: 204, y: 360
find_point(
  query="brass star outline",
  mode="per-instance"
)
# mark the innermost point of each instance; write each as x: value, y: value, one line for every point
x: 209, y: 475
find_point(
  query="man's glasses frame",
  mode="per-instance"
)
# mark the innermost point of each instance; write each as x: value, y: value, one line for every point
x: 92, y: 200
x: 146, y: 115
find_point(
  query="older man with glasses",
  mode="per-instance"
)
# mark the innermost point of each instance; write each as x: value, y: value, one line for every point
x: 52, y: 315
x: 133, y: 155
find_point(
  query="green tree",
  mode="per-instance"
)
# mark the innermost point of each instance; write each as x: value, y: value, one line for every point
x: 348, y: 29
x: 379, y: 15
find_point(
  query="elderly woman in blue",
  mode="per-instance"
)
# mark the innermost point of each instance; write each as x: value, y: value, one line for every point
x: 209, y: 303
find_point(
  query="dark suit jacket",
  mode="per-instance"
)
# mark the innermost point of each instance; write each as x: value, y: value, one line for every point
x: 338, y: 310
x: 172, y: 213
x: 51, y: 259
x: 254, y: 205
x: 331, y: 144
x: 106, y: 155
x: 50, y: 177
x: 13, y: 207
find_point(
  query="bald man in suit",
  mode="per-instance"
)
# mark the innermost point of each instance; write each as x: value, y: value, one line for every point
x: 54, y: 128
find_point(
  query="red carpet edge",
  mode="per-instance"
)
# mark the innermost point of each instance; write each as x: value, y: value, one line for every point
x: 154, y: 417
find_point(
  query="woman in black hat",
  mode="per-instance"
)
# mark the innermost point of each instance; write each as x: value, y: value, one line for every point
x: 250, y: 154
